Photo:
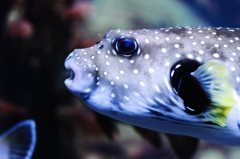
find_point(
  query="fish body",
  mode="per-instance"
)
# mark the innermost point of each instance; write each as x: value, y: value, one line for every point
x: 177, y: 80
x: 19, y: 141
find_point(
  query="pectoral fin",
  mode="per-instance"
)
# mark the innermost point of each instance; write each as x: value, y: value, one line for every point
x: 215, y: 80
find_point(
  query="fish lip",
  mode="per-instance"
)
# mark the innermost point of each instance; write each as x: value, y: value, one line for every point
x: 69, y: 81
x: 72, y: 75
x: 77, y: 82
x: 68, y: 68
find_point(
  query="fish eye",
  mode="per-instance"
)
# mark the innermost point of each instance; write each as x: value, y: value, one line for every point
x: 125, y: 46
x: 188, y: 87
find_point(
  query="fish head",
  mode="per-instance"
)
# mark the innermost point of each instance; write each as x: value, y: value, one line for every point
x: 122, y: 70
x: 174, y: 80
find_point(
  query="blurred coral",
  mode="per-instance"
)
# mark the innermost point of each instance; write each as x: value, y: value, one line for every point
x: 79, y: 10
x: 21, y: 28
x: 7, y: 108
x: 83, y: 118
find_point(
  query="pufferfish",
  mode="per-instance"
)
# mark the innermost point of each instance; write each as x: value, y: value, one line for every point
x: 177, y: 80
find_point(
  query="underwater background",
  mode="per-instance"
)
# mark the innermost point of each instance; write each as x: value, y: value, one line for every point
x: 35, y: 38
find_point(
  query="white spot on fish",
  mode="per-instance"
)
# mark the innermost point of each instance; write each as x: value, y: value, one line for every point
x: 167, y: 63
x: 136, y: 94
x: 117, y: 77
x: 112, y: 83
x: 178, y: 55
x: 88, y: 90
x: 190, y: 56
x: 167, y: 39
x: 126, y: 98
x: 233, y: 68
x: 176, y: 45
x: 194, y: 43
x: 89, y: 75
x: 151, y: 70
x: 126, y: 86
x: 201, y: 51
x: 164, y: 50
x: 147, y: 41
x: 178, y: 38
x: 113, y: 95
x: 220, y: 39
x: 199, y: 59
x: 121, y: 72
x: 216, y: 45
x: 135, y: 71
x: 236, y: 38
x: 207, y: 37
x: 142, y: 84
x: 105, y: 73
x: 225, y: 45
x: 238, y: 48
x: 98, y: 52
x: 114, y: 52
x: 216, y: 55
x: 121, y: 60
x: 238, y: 79
x: 157, y: 88
x: 156, y: 37
x: 202, y: 42
x: 107, y: 63
x: 146, y: 56
x: 131, y: 61
x: 92, y: 57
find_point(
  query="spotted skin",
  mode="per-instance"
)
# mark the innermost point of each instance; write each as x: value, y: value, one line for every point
x: 137, y: 89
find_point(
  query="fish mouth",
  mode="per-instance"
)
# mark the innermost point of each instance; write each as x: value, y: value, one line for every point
x: 72, y: 75
x: 78, y: 81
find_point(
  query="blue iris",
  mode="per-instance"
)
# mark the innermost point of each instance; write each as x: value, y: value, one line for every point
x: 125, y: 46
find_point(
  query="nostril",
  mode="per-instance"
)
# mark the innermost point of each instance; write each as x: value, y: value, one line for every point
x: 72, y: 75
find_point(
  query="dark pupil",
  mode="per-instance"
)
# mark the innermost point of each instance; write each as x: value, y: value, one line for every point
x: 188, y: 87
x: 126, y: 46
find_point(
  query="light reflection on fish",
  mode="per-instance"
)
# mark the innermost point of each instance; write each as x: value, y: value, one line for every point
x: 178, y: 80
